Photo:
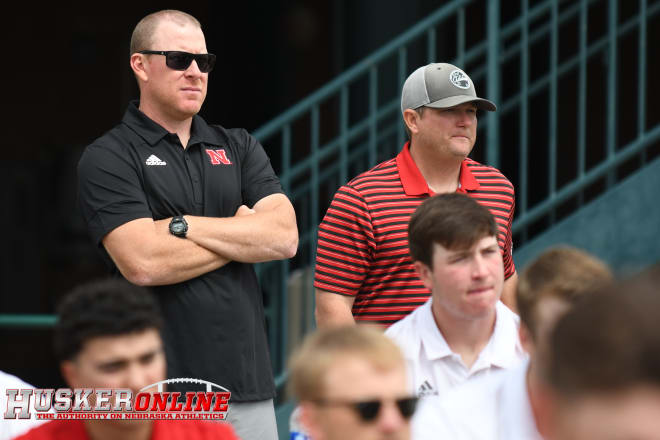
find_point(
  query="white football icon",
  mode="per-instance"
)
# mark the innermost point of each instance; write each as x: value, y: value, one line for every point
x: 209, y: 385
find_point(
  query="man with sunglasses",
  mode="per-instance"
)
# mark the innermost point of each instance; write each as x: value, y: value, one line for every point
x: 187, y: 207
x: 464, y: 331
x: 351, y: 384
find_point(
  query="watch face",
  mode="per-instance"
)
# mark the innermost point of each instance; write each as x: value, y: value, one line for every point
x: 178, y: 228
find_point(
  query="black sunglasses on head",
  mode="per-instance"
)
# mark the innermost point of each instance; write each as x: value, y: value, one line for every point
x: 368, y: 410
x: 177, y: 60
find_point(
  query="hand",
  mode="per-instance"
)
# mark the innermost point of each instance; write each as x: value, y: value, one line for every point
x: 244, y: 210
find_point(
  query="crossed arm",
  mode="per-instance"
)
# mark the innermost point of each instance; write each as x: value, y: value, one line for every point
x: 147, y: 254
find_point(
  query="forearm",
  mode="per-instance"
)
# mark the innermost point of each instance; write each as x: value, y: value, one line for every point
x: 333, y: 318
x: 175, y: 260
x: 333, y: 309
x: 147, y: 254
x: 509, y: 292
x: 263, y: 235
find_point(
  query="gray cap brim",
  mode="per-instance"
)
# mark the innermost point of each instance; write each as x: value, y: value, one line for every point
x: 440, y: 85
x: 452, y: 101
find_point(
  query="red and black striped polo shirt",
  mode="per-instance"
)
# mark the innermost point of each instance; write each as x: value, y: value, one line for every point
x: 363, y: 239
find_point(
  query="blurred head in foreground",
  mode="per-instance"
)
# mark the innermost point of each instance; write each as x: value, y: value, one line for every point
x: 351, y: 383
x: 550, y: 286
x: 604, y: 367
x: 108, y: 336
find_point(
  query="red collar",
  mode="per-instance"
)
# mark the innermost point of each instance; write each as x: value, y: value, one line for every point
x: 414, y: 183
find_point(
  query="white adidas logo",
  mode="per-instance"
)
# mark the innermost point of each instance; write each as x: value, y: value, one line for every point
x: 153, y: 160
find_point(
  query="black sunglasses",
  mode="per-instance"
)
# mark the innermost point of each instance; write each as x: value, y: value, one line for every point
x: 369, y: 409
x: 178, y: 60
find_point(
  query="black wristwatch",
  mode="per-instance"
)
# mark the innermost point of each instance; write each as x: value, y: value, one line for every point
x: 178, y: 226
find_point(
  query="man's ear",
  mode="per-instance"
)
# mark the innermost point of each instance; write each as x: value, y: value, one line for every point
x: 410, y: 118
x: 425, y: 274
x: 526, y: 338
x: 69, y: 373
x: 546, y: 408
x: 309, y: 420
x: 138, y: 64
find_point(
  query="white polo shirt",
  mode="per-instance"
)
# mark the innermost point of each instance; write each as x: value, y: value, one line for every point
x: 433, y: 368
x: 10, y: 428
x: 494, y: 407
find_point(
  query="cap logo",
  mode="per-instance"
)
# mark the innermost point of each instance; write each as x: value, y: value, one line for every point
x: 459, y: 79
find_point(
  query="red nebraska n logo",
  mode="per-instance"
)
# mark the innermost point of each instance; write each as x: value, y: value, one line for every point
x: 218, y: 157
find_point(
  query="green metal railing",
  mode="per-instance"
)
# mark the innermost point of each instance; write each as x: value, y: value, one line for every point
x: 379, y: 133
x: 360, y: 110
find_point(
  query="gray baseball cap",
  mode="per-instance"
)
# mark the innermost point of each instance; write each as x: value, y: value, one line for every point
x: 440, y: 85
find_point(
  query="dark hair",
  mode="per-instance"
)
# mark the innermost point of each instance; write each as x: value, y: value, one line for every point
x: 455, y: 221
x: 107, y: 307
x: 610, y: 340
x: 563, y: 272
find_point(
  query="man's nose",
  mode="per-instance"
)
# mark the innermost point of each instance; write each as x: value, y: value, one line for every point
x: 465, y: 118
x: 193, y: 69
x: 390, y: 418
x: 479, y: 267
x: 136, y: 378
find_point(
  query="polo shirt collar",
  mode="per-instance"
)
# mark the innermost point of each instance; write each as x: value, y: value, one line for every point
x: 144, y: 126
x: 466, y: 179
x: 414, y: 183
x: 152, y: 132
x: 434, y: 342
x: 499, y: 351
x: 200, y: 132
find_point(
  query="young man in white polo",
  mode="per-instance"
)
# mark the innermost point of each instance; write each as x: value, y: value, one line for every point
x: 464, y: 330
x: 508, y: 405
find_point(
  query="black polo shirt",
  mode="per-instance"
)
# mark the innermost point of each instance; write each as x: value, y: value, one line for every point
x: 214, y: 324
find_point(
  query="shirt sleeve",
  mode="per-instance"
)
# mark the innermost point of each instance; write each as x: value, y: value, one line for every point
x: 258, y: 179
x: 345, y: 244
x: 110, y: 192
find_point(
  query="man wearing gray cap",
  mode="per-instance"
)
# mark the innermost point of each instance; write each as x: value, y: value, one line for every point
x: 364, y: 272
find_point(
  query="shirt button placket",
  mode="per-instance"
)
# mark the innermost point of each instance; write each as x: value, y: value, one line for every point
x: 194, y: 178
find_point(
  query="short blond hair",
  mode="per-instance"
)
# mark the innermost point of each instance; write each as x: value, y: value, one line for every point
x: 562, y: 272
x: 144, y: 31
x: 321, y: 349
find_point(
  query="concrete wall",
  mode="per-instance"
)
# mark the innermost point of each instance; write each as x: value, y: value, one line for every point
x: 622, y: 226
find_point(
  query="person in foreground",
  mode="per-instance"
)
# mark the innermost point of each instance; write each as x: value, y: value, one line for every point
x: 12, y: 427
x: 464, y: 331
x: 505, y: 405
x: 188, y: 207
x: 351, y: 384
x: 108, y: 336
x: 604, y: 372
